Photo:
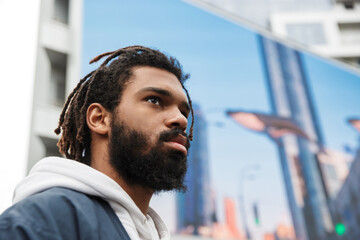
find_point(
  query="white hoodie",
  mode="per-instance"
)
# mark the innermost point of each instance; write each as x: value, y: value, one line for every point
x: 61, y: 172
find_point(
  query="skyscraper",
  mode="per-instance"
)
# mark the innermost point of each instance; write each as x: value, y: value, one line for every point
x: 290, y: 97
x: 194, y: 208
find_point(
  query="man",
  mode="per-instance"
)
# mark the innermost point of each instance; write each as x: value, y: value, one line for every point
x: 124, y: 136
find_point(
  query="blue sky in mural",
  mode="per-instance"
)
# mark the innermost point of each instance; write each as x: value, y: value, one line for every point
x: 226, y: 73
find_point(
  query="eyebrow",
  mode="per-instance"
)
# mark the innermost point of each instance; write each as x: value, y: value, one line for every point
x: 164, y: 93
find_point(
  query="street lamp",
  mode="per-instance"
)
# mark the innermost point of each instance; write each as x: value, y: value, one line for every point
x: 243, y: 172
x: 274, y: 126
x: 355, y: 122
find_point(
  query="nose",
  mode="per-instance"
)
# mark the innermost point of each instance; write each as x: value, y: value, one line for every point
x: 177, y: 120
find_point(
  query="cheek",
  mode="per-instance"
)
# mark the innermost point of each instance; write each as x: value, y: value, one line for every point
x: 145, y: 126
x: 149, y: 125
x: 143, y: 120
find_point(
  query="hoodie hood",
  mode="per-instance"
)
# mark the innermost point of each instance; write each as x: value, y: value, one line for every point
x: 60, y: 172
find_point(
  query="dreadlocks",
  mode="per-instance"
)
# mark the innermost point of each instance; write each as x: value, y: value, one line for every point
x: 105, y: 86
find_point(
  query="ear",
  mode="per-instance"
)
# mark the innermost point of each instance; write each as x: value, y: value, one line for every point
x: 98, y: 119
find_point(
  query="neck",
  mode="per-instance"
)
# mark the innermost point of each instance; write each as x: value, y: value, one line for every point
x: 100, y: 161
x: 139, y: 194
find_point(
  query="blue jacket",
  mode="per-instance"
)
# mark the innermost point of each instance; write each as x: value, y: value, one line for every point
x: 61, y: 213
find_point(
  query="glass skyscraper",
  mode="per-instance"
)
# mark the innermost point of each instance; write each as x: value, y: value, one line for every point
x: 194, y: 208
x: 290, y: 97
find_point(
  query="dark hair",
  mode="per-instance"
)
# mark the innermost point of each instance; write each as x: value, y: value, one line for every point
x: 105, y: 86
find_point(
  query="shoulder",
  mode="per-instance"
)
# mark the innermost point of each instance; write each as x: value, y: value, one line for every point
x: 55, y: 201
x: 52, y: 214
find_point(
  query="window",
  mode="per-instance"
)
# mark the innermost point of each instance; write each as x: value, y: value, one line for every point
x: 349, y: 5
x: 57, y: 85
x: 350, y: 32
x: 51, y: 148
x: 355, y: 61
x: 61, y: 11
x: 306, y: 33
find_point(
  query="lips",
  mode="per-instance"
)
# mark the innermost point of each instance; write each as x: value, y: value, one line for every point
x: 179, y: 139
x: 179, y: 142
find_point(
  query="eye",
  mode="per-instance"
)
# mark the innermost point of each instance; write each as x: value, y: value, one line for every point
x: 185, y: 113
x: 154, y: 100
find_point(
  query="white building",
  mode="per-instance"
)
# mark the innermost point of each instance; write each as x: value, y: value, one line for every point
x: 40, y: 65
x: 333, y: 33
x: 57, y: 71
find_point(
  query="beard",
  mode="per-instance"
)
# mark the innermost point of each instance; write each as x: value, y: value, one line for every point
x: 159, y: 168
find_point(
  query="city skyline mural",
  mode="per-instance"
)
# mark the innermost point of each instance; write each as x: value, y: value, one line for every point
x: 240, y: 166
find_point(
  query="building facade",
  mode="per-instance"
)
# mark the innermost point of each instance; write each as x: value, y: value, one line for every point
x: 57, y: 72
x: 333, y: 33
x: 40, y: 47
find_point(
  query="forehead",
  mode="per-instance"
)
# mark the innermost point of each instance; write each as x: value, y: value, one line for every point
x: 151, y: 77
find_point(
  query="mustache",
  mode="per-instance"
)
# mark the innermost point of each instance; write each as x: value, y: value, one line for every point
x: 169, y: 135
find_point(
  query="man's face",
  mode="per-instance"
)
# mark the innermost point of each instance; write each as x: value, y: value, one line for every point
x: 148, y: 144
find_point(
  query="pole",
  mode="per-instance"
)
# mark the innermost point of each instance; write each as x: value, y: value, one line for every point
x: 242, y: 201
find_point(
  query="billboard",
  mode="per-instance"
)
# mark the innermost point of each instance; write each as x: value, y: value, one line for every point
x: 232, y: 166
